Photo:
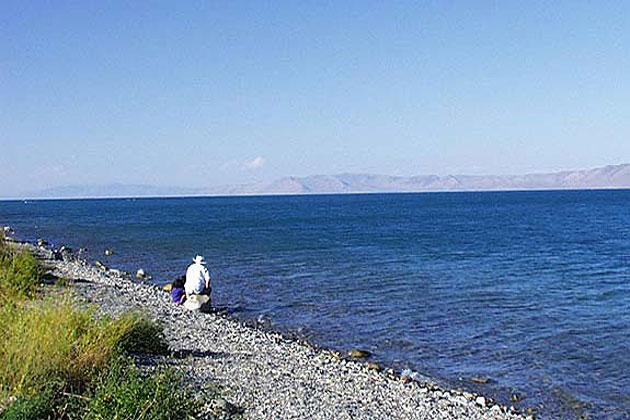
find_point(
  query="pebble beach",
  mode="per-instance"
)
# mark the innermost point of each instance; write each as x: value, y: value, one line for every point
x: 263, y: 374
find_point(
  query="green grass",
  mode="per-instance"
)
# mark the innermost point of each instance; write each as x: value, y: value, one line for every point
x: 53, y: 339
x: 20, y: 273
x: 119, y: 391
x: 135, y: 333
x: 37, y: 406
x: 59, y: 361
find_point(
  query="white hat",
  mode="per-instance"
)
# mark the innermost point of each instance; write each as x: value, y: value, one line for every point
x: 199, y: 259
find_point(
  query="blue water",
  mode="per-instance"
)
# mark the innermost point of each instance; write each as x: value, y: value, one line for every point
x: 529, y: 289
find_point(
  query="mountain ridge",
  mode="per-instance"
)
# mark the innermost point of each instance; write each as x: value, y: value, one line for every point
x: 606, y: 177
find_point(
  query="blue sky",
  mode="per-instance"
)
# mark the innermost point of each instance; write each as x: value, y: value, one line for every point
x: 212, y: 93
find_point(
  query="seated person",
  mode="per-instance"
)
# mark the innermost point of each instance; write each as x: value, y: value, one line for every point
x: 178, y: 292
x: 197, y: 285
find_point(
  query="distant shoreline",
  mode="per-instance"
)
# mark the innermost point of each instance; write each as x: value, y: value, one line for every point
x: 140, y: 197
x: 606, y: 177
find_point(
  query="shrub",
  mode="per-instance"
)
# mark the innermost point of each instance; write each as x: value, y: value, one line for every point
x: 53, y: 339
x: 20, y: 273
x: 124, y: 394
x: 50, y: 339
x: 120, y: 392
x: 38, y: 406
x: 135, y: 333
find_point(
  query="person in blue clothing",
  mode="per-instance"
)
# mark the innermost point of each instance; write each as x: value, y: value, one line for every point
x: 178, y: 293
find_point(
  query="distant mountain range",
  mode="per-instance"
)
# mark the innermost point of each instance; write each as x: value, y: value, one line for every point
x: 613, y: 176
x: 113, y: 190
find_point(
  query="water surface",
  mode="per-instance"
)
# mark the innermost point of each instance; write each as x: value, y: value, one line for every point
x: 529, y: 289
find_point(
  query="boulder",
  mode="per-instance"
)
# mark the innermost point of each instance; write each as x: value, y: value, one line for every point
x: 198, y: 303
x: 409, y: 375
x: 374, y: 366
x: 100, y: 266
x: 359, y: 354
x: 222, y: 408
x: 41, y: 242
x: 168, y: 287
x: 109, y: 252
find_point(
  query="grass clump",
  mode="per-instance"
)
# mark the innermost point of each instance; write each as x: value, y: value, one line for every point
x: 53, y: 338
x: 120, y: 390
x: 135, y: 333
x: 38, y: 406
x: 20, y: 273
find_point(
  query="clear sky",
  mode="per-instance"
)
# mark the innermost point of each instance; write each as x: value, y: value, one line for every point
x: 211, y: 93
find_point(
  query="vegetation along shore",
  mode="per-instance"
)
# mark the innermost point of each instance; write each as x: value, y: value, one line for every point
x: 82, y: 342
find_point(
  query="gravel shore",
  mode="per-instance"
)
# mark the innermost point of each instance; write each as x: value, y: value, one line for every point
x: 263, y: 375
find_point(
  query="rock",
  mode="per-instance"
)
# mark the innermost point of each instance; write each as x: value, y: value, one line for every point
x: 115, y: 272
x: 142, y: 275
x: 65, y: 249
x: 41, y: 242
x: 480, y: 380
x: 374, y: 366
x: 168, y: 287
x: 359, y: 354
x: 100, y: 266
x: 515, y: 397
x: 221, y: 404
x: 109, y: 252
x: 335, y: 354
x: 7, y: 229
x: 480, y: 401
x: 82, y: 250
x: 408, y: 375
x: 460, y: 399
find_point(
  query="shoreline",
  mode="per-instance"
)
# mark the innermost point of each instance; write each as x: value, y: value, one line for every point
x: 266, y: 374
x: 310, y: 194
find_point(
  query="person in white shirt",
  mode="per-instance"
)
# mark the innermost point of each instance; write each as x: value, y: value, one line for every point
x: 197, y: 278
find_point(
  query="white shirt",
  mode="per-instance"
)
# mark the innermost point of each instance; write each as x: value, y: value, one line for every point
x: 197, y: 279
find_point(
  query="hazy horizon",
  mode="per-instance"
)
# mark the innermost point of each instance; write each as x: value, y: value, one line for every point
x: 205, y: 95
x: 608, y: 177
